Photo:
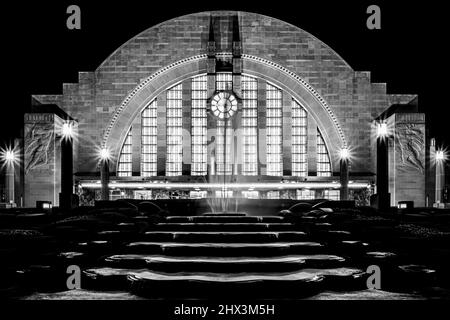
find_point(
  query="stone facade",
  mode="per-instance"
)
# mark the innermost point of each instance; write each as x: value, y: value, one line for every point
x: 354, y: 100
x: 341, y: 103
x: 407, y: 158
x: 42, y: 160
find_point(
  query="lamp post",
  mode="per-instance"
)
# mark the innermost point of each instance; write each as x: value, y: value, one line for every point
x: 104, y: 173
x: 65, y: 199
x: 10, y: 158
x: 383, y: 196
x: 440, y: 175
x: 344, y: 154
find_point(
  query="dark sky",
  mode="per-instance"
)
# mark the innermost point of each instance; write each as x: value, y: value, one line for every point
x: 39, y: 53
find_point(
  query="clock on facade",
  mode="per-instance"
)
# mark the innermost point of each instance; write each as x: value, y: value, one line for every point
x: 224, y: 105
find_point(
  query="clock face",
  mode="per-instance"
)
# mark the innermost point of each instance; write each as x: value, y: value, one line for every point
x: 224, y: 105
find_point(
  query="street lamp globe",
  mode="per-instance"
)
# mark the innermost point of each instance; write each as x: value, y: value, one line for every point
x: 344, y: 153
x: 10, y: 156
x: 382, y: 129
x: 440, y: 155
x: 67, y: 130
x: 104, y: 154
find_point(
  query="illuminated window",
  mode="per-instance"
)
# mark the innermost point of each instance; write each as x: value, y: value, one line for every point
x: 331, y: 194
x: 174, y: 131
x: 323, y: 159
x: 224, y: 81
x: 223, y: 148
x: 198, y: 194
x: 124, y: 167
x: 149, y: 124
x: 273, y: 194
x: 306, y: 194
x: 299, y: 140
x: 249, y: 87
x: 273, y: 131
x: 199, y: 127
x: 250, y: 194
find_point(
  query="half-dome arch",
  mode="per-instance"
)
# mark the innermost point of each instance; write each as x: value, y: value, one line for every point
x: 165, y: 78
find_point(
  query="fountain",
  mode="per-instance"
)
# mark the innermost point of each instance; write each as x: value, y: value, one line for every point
x: 223, y: 204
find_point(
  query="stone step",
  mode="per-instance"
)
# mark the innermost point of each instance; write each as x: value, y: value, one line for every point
x: 223, y: 264
x: 95, y: 247
x: 304, y: 283
x: 117, y: 235
x: 322, y: 226
x: 224, y: 249
x: 224, y: 227
x: 128, y: 226
x: 80, y: 294
x: 368, y: 294
x: 352, y: 248
x: 228, y: 236
x: 223, y: 219
x: 331, y: 235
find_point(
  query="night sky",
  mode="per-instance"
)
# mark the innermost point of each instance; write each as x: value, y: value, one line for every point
x: 39, y: 53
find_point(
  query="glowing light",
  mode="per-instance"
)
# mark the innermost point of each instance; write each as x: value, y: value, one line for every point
x: 9, y: 156
x: 382, y: 129
x: 104, y: 154
x: 67, y: 130
x: 344, y: 153
x: 440, y: 155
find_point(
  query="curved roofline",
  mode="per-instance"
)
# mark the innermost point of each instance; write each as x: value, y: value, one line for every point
x: 217, y: 11
x: 309, y: 33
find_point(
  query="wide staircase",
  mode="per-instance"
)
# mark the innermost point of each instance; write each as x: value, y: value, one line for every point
x: 229, y: 255
x: 211, y: 255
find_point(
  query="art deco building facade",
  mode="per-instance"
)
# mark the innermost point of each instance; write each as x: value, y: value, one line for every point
x: 225, y: 103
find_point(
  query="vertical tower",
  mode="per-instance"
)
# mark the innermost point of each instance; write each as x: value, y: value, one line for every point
x: 224, y: 55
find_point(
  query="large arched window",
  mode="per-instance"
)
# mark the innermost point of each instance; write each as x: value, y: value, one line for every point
x: 323, y: 158
x: 124, y: 168
x: 224, y: 156
x: 199, y: 95
x: 149, y: 125
x: 249, y: 87
x: 274, y: 117
x: 299, y: 140
x: 174, y: 133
